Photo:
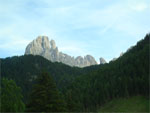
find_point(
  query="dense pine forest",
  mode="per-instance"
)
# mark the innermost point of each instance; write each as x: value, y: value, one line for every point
x: 33, y: 84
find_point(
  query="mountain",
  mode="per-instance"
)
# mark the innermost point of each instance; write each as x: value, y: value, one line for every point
x: 88, y: 88
x: 125, y: 77
x: 48, y: 49
x: 102, y: 60
x: 25, y: 69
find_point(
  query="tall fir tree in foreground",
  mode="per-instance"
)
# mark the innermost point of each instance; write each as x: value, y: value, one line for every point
x: 45, y: 97
x: 11, y: 97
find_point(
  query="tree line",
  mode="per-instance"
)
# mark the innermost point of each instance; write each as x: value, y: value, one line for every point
x: 63, y: 88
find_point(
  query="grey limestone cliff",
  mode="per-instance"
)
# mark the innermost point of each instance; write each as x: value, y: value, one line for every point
x: 102, y: 61
x: 48, y: 49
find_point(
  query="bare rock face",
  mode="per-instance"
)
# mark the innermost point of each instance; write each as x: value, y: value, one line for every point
x: 48, y: 49
x: 89, y: 60
x: 53, y: 45
x: 102, y: 61
x: 37, y: 46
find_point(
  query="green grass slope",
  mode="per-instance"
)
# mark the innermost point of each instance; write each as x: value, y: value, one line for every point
x: 131, y: 104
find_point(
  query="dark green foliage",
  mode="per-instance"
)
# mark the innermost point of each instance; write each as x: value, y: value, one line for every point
x: 125, y: 77
x: 11, y: 97
x: 25, y: 69
x: 85, y: 89
x: 45, y: 96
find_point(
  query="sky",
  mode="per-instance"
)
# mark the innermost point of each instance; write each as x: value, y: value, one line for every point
x: 101, y: 28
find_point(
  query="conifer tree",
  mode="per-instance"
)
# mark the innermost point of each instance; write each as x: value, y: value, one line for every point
x: 45, y: 97
x: 11, y: 97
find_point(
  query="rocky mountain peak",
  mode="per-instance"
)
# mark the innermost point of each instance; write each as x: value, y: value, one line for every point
x: 48, y: 49
x: 53, y: 44
x: 102, y: 61
x: 41, y: 43
x: 44, y: 41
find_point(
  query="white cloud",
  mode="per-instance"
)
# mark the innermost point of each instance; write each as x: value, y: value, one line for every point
x: 139, y: 7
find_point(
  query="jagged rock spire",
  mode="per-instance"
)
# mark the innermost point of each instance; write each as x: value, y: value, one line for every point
x: 48, y: 49
x: 102, y: 61
x: 53, y: 44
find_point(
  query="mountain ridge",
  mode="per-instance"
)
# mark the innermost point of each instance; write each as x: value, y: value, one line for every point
x: 48, y: 49
x: 91, y: 86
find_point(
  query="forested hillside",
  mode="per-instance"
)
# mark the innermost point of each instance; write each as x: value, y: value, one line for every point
x: 25, y: 69
x: 127, y: 76
x: 86, y: 89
